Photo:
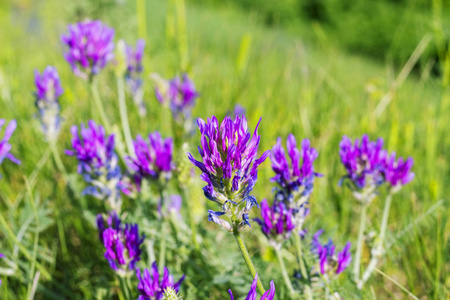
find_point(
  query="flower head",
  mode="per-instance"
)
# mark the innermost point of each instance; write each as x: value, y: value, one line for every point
x: 5, y: 146
x: 329, y: 262
x: 277, y: 221
x: 113, y: 221
x: 97, y: 162
x: 153, y: 158
x: 397, y: 172
x: 229, y: 165
x: 252, y: 294
x: 133, y: 74
x: 90, y: 47
x: 123, y: 247
x: 48, y: 90
x: 151, y: 287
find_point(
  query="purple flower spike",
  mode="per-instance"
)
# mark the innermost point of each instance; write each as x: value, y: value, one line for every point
x: 151, y: 287
x: 229, y: 165
x: 113, y: 222
x: 363, y: 161
x: 97, y: 162
x: 48, y: 90
x: 328, y: 262
x: 277, y: 221
x: 123, y: 246
x: 134, y: 74
x: 5, y: 147
x: 398, y: 172
x: 252, y: 294
x: 90, y: 47
x: 153, y: 159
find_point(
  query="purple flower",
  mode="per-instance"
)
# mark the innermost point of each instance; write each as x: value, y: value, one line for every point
x: 252, y: 294
x: 123, y: 247
x: 151, y: 287
x: 180, y: 94
x: 363, y: 161
x: 48, y: 90
x: 329, y: 262
x: 134, y: 74
x: 97, y: 162
x: 5, y: 147
x: 397, y: 172
x: 90, y: 47
x: 277, y: 221
x: 113, y: 222
x: 153, y: 158
x: 229, y: 165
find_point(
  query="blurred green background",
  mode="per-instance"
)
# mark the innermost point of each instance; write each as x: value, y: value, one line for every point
x: 317, y: 68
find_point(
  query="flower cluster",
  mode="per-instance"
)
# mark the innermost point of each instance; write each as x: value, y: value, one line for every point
x: 179, y: 94
x: 252, y: 293
x: 48, y: 90
x: 369, y: 165
x: 277, y: 221
x: 113, y: 221
x: 328, y: 262
x: 151, y: 287
x: 153, y: 158
x: 122, y: 243
x: 133, y: 74
x: 5, y: 147
x: 229, y: 167
x: 90, y: 47
x: 97, y: 162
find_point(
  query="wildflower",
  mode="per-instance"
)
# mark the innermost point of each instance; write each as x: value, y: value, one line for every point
x: 153, y: 159
x: 397, y: 172
x: 48, y: 90
x: 134, y: 74
x: 252, y: 294
x: 229, y: 167
x: 329, y: 262
x: 277, y: 221
x: 151, y: 288
x: 5, y: 147
x: 97, y: 162
x: 113, y: 221
x: 90, y: 47
x: 123, y: 247
x: 179, y: 94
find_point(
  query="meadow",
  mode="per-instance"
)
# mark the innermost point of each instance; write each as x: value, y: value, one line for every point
x: 297, y: 77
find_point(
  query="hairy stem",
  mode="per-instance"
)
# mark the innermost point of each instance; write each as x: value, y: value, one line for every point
x: 124, y: 115
x: 362, y: 225
x: 57, y: 157
x: 284, y: 272
x: 99, y: 104
x: 298, y: 246
x: 125, y: 288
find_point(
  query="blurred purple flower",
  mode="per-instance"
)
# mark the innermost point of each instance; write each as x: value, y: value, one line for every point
x: 329, y: 263
x: 5, y: 147
x: 90, y: 47
x: 229, y: 166
x: 134, y: 74
x: 113, y: 221
x: 48, y: 90
x: 252, y: 294
x: 153, y: 159
x: 277, y: 221
x: 363, y: 161
x: 123, y: 246
x: 397, y: 172
x: 151, y: 288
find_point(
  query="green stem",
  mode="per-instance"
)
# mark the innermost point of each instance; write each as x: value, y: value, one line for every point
x: 57, y: 157
x: 99, y: 104
x: 298, y: 245
x: 380, y: 245
x: 124, y: 115
x: 284, y: 272
x: 362, y: 225
x: 248, y: 260
x: 142, y: 25
x: 125, y: 288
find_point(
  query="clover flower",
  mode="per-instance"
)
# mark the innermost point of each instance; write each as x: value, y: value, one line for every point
x: 48, y: 90
x: 97, y: 162
x: 397, y: 172
x: 153, y: 158
x: 5, y: 146
x: 329, y: 262
x: 151, y: 287
x: 90, y: 47
x: 133, y: 74
x: 252, y: 293
x: 179, y: 94
x: 277, y: 221
x: 230, y: 168
x: 123, y: 246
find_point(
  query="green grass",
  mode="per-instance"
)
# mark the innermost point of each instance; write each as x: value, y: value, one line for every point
x: 306, y: 85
